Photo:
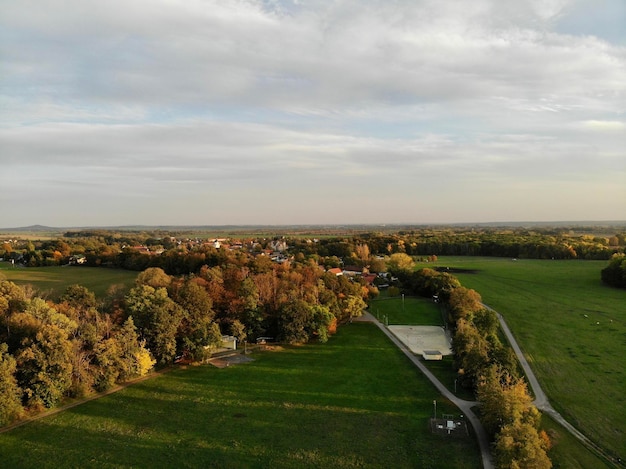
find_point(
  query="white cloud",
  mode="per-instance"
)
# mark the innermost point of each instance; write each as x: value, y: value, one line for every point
x: 168, y: 101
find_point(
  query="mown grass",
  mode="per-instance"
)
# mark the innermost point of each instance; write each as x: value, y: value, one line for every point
x: 572, y: 329
x: 53, y: 280
x: 406, y: 311
x: 353, y: 402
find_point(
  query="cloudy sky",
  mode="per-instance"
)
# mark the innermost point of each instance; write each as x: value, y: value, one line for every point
x: 311, y: 112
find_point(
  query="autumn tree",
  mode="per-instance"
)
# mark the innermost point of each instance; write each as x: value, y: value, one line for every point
x: 400, y: 261
x: 154, y: 277
x: 463, y: 303
x: 520, y: 445
x: 45, y: 366
x: 12, y: 300
x: 10, y: 392
x: 505, y: 400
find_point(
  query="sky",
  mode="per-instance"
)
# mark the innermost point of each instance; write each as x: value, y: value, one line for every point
x: 285, y: 112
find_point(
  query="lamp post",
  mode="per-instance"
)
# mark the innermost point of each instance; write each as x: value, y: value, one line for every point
x: 435, y: 406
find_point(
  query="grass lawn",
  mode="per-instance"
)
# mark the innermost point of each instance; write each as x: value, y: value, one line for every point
x: 353, y: 402
x: 572, y: 329
x: 54, y: 280
x: 408, y: 311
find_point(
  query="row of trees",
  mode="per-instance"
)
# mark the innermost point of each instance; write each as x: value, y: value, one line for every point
x: 49, y: 351
x: 184, y: 255
x: 489, y: 367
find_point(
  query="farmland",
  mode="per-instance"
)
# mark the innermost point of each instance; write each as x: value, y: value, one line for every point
x: 353, y: 402
x: 571, y: 328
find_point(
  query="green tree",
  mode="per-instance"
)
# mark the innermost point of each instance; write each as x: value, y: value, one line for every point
x: 134, y: 358
x: 293, y: 322
x: 10, y: 392
x: 157, y: 317
x: 45, y: 366
x: 195, y: 328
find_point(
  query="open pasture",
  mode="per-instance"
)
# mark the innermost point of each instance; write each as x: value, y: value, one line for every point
x: 353, y: 402
x: 572, y: 329
x: 55, y: 279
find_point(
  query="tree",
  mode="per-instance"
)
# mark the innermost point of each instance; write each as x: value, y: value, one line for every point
x: 463, y: 303
x: 157, y: 318
x: 45, y: 366
x: 505, y: 400
x: 351, y: 306
x: 12, y: 300
x: 400, y: 261
x: 293, y: 322
x: 362, y: 252
x: 321, y: 322
x: 154, y: 277
x: 520, y: 446
x: 10, y: 392
x: 471, y: 352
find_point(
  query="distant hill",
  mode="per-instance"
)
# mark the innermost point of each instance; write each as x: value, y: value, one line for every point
x: 320, y: 228
x: 30, y: 229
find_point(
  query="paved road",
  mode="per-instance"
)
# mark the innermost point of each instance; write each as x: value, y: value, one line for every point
x: 541, y: 400
x: 465, y: 406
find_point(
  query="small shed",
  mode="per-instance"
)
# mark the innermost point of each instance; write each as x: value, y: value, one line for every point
x: 229, y: 342
x: 432, y: 355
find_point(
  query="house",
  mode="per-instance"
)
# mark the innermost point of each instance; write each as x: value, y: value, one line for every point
x: 369, y: 278
x: 337, y: 271
x: 77, y: 260
x: 352, y: 270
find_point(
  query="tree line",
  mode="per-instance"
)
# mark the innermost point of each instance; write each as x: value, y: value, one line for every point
x: 179, y: 255
x: 486, y: 366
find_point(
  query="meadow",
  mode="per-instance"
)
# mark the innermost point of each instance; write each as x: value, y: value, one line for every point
x: 52, y: 281
x: 571, y: 328
x: 353, y: 402
x: 406, y: 311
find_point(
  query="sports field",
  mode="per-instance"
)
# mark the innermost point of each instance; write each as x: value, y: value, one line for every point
x: 421, y: 338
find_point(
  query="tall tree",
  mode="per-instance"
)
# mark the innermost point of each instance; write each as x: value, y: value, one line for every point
x: 10, y: 392
x: 45, y: 366
x: 520, y: 446
x: 157, y: 317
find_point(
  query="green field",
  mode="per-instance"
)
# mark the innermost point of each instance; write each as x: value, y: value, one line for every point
x: 407, y: 310
x: 571, y: 327
x: 54, y: 280
x: 353, y: 402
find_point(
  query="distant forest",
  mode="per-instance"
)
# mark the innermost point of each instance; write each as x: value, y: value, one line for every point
x: 180, y: 253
